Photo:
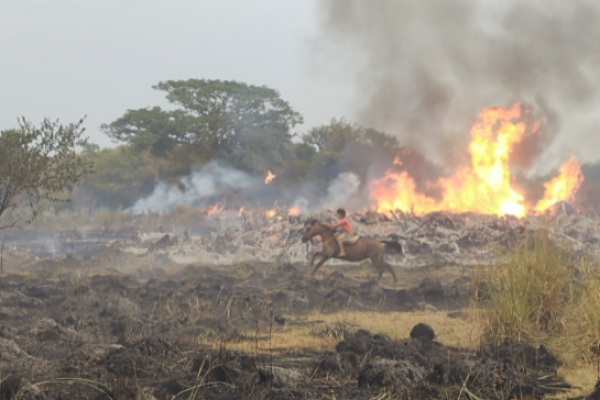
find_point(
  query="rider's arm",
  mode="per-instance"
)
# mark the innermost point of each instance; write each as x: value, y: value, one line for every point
x: 334, y: 225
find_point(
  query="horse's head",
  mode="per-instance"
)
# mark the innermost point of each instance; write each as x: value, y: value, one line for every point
x: 312, y: 228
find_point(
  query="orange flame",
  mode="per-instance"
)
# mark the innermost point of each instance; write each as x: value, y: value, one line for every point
x: 216, y: 208
x: 294, y: 211
x: 271, y: 213
x: 483, y: 187
x: 402, y: 152
x: 563, y: 186
x: 270, y: 176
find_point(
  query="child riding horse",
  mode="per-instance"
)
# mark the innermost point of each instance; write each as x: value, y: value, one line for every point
x: 347, y: 232
x: 360, y: 250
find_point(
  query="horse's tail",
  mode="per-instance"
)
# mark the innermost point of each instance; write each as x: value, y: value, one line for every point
x: 393, y: 245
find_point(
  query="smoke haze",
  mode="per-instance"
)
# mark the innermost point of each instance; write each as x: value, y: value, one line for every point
x: 342, y: 192
x: 425, y: 69
x: 215, y: 182
x: 203, y: 187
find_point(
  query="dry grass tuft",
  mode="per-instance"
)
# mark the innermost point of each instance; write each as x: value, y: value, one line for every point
x: 538, y: 294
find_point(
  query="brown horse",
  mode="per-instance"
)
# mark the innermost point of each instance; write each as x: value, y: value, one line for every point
x: 360, y: 250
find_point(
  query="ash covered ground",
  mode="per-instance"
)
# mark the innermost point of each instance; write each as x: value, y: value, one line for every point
x: 101, y: 314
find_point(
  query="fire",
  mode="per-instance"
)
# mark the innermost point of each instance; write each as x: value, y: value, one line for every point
x: 484, y: 186
x: 216, y: 208
x: 397, y: 192
x: 563, y: 186
x: 398, y: 158
x: 294, y: 211
x: 271, y: 213
x: 270, y: 176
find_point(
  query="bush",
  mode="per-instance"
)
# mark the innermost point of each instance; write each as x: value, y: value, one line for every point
x: 113, y: 220
x: 537, y: 295
x: 50, y: 219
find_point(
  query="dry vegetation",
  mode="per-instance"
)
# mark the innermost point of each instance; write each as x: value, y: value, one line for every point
x: 319, y: 332
x: 51, y: 220
x: 540, y: 294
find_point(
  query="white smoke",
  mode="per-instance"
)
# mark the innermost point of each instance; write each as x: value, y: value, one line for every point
x: 200, y: 189
x: 214, y: 182
x: 302, y: 204
x: 342, y: 192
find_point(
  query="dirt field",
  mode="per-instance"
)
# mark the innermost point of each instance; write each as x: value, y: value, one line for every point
x: 95, y: 321
x: 251, y: 331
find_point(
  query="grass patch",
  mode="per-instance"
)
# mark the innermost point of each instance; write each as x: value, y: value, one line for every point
x: 320, y: 332
x: 50, y: 220
x: 539, y: 293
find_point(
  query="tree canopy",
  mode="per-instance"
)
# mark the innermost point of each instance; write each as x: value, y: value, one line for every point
x: 214, y: 119
x: 36, y: 164
x: 251, y: 128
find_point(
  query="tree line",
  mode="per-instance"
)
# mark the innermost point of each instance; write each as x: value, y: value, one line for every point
x: 251, y: 128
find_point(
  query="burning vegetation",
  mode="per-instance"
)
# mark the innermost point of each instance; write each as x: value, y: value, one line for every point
x: 340, y: 164
x: 485, y: 186
x: 269, y: 178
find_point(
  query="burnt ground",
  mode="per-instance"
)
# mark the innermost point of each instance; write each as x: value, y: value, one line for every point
x: 144, y: 335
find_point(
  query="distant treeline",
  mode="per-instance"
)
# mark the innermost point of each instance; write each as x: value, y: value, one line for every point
x: 252, y: 129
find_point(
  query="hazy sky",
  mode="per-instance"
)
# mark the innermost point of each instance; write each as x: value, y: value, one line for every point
x: 69, y: 58
x: 329, y: 58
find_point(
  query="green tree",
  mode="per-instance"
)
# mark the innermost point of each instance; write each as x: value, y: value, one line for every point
x: 215, y: 118
x: 330, y: 141
x: 152, y: 129
x: 334, y: 137
x: 37, y: 164
x: 124, y: 174
x: 342, y: 146
x: 300, y: 164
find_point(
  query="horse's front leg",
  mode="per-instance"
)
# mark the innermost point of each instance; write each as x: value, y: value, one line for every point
x: 324, y: 258
x: 319, y: 254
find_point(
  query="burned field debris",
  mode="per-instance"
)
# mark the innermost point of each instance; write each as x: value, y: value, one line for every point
x: 127, y: 336
x: 139, y: 313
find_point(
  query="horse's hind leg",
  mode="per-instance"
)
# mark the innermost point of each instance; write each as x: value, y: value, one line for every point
x: 377, y: 265
x: 381, y: 265
x: 390, y: 270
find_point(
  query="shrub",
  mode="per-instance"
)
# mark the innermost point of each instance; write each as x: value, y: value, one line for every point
x: 538, y: 295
